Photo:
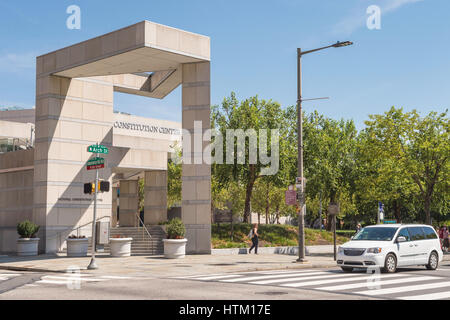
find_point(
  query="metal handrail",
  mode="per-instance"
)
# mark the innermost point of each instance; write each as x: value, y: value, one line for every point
x: 144, y: 228
x: 143, y: 225
x: 79, y: 227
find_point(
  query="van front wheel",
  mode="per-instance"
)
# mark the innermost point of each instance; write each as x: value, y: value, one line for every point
x: 390, y: 264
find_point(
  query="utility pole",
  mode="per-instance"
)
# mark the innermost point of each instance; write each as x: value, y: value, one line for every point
x: 300, y: 183
x: 93, y: 264
x: 301, y: 192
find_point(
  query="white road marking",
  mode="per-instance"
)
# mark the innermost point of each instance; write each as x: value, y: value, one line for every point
x: 273, y: 276
x: 430, y: 296
x: 118, y: 277
x: 52, y: 282
x: 219, y: 277
x: 71, y: 278
x: 314, y: 283
x: 406, y: 288
x: 410, y: 278
x: 323, y: 276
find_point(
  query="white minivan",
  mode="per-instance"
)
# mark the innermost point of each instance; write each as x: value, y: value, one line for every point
x: 390, y: 246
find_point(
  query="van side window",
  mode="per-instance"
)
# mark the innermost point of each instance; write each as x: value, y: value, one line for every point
x: 416, y: 233
x: 429, y: 233
x: 404, y: 233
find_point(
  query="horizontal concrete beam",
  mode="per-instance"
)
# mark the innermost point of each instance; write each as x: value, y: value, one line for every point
x: 142, y: 47
x: 157, y: 85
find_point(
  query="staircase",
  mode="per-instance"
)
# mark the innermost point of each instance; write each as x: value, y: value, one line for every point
x: 142, y: 244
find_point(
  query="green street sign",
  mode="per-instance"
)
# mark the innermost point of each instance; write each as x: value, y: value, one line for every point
x: 98, y: 149
x: 96, y: 161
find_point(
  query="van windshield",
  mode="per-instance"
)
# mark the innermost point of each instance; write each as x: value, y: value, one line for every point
x: 376, y: 233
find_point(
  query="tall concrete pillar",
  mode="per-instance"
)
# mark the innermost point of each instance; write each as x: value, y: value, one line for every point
x: 114, y: 206
x: 155, y: 198
x: 71, y: 114
x: 196, y: 176
x: 128, y: 203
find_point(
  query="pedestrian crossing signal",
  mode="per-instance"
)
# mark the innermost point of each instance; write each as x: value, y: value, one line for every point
x: 103, y: 186
x: 89, y: 188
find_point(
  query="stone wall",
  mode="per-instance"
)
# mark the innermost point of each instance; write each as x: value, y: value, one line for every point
x: 16, y: 195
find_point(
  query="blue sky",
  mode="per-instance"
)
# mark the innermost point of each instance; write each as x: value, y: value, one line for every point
x: 253, y: 50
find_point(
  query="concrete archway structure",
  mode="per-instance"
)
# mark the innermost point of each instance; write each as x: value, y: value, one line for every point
x: 74, y: 109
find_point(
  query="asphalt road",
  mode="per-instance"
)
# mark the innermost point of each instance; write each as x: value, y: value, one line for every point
x: 305, y: 284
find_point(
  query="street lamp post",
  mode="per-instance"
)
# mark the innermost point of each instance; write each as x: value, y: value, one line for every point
x: 301, y: 196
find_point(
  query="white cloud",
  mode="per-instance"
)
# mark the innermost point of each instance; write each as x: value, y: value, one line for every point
x: 17, y: 62
x: 358, y: 17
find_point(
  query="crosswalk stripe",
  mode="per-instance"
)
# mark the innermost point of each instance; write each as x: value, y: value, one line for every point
x: 270, y: 272
x: 273, y: 276
x: 197, y: 275
x: 116, y: 277
x: 304, y: 278
x: 429, y: 296
x: 219, y: 277
x: 70, y: 278
x: 373, y: 283
x: 283, y: 271
x: 9, y: 275
x: 314, y: 283
x: 52, y: 282
x: 405, y: 289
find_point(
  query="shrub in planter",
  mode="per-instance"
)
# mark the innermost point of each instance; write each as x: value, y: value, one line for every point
x: 176, y: 229
x: 27, y: 229
x: 27, y: 245
x: 175, y: 244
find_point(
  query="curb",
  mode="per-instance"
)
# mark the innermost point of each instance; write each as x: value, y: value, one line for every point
x: 29, y: 269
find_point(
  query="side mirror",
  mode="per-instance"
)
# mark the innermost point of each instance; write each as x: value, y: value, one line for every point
x: 401, y: 239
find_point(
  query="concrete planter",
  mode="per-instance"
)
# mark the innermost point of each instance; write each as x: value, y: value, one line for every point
x: 77, y: 247
x: 120, y: 247
x: 174, y: 248
x: 27, y: 246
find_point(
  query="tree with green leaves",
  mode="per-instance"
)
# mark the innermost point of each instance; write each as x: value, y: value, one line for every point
x: 418, y: 146
x: 252, y: 114
x: 329, y: 160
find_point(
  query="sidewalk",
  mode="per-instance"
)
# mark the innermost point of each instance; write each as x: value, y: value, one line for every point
x: 158, y: 266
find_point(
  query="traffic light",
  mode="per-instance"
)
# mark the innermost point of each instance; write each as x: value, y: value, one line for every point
x: 89, y: 188
x: 104, y: 186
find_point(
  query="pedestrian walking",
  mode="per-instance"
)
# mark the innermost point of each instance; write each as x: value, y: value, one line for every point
x: 254, y: 236
x: 358, y: 227
x: 445, y: 244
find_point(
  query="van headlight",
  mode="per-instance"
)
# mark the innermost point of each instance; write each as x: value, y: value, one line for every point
x: 374, y: 250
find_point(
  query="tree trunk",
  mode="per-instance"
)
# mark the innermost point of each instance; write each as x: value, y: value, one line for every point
x: 277, y: 212
x: 427, y: 207
x: 329, y: 217
x: 248, y: 193
x: 397, y: 208
x: 267, y: 206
